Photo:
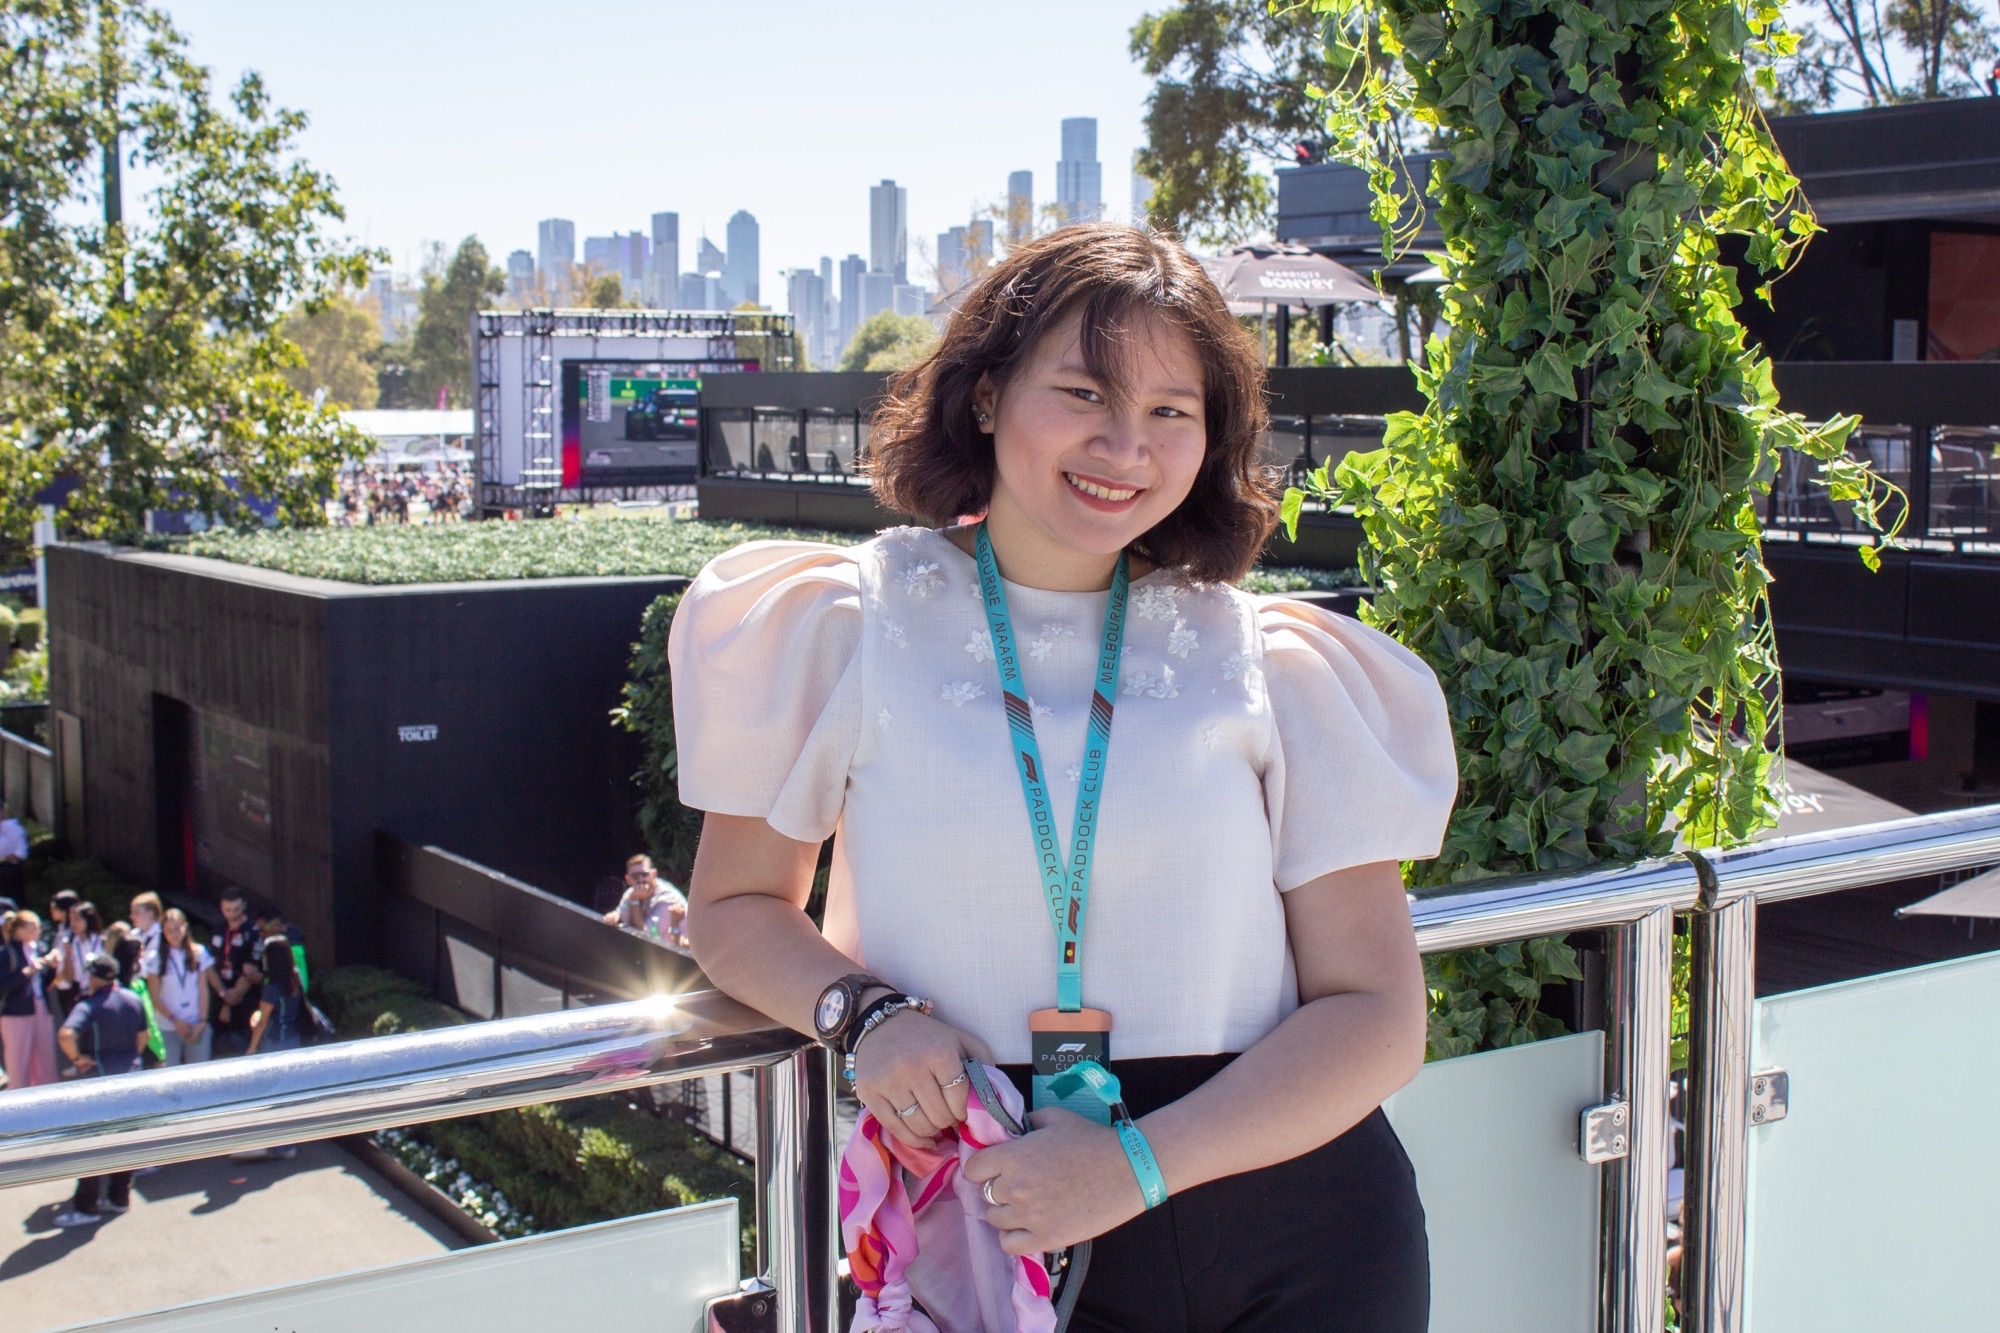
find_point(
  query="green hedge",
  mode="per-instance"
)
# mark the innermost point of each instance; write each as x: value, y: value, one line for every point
x: 561, y: 548
x: 467, y: 552
x: 670, y: 829
x: 27, y: 628
x: 565, y: 1164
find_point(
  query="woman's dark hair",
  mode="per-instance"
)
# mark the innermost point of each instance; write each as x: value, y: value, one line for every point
x: 93, y: 922
x: 186, y: 946
x: 928, y: 458
x: 274, y: 958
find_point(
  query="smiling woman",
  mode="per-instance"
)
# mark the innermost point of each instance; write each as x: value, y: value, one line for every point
x: 1225, y: 896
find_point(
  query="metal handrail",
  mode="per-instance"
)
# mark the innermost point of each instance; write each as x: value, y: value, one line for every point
x: 101, y: 1125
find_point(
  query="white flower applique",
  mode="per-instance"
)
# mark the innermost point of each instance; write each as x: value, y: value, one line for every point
x: 1074, y: 772
x: 1211, y: 735
x: 1039, y: 712
x: 1181, y: 640
x: 1052, y: 630
x: 1238, y: 667
x: 1143, y: 682
x: 1041, y: 648
x: 980, y: 645
x: 894, y: 634
x: 922, y: 579
x: 1155, y: 602
x: 959, y: 693
x: 883, y: 717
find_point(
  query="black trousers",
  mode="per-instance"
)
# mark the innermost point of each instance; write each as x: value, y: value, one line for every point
x: 1332, y: 1241
x: 92, y: 1192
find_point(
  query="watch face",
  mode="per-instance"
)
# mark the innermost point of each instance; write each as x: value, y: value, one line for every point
x: 832, y: 1011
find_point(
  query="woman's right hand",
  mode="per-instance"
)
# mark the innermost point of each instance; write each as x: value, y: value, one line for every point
x: 913, y: 1059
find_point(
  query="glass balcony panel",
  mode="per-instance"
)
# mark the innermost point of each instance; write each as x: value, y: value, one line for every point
x: 729, y: 448
x: 1798, y: 499
x: 1285, y: 446
x: 780, y: 434
x: 1336, y: 437
x: 1965, y: 484
x: 654, y: 1271
x: 1871, y: 1204
x: 1511, y: 1208
x: 830, y: 441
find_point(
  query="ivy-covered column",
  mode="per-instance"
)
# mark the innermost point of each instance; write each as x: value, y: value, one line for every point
x: 1568, y: 533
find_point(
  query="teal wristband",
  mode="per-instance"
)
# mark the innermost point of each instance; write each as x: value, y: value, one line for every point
x: 1152, y: 1185
x: 1088, y: 1074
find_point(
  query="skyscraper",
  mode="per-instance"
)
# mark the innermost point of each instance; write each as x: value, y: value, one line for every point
x: 953, y: 260
x: 805, y: 298
x: 664, y: 273
x: 888, y: 230
x: 852, y: 269
x: 708, y: 257
x: 878, y: 293
x: 1142, y: 193
x: 1079, y: 175
x: 555, y: 248
x: 623, y: 253
x: 739, y: 269
x: 520, y: 274
x: 1020, y: 206
x: 979, y: 245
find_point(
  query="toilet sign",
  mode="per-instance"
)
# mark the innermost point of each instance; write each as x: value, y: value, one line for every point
x: 426, y: 732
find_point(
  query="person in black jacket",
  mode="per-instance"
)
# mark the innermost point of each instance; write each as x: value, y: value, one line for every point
x: 104, y: 1034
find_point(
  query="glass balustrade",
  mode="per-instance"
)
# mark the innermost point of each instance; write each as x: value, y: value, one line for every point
x: 655, y: 1271
x: 1871, y: 1202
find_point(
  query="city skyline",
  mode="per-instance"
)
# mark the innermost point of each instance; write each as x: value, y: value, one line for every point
x: 459, y: 151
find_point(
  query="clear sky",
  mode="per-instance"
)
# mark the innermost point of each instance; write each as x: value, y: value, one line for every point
x: 446, y: 118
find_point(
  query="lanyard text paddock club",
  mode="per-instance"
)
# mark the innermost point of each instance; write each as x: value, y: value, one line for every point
x: 1066, y: 887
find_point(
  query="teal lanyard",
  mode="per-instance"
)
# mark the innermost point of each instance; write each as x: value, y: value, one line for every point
x: 1066, y: 887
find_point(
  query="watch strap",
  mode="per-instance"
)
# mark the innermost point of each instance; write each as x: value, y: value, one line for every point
x: 855, y: 984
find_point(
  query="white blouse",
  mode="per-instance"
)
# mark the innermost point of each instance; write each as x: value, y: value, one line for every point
x: 1257, y: 744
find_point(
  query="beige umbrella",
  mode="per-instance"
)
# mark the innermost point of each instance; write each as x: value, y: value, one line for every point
x: 1978, y: 896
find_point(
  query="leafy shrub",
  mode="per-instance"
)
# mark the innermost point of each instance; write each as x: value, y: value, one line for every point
x: 373, y: 1001
x: 670, y: 829
x: 7, y: 623
x: 49, y: 874
x: 28, y: 627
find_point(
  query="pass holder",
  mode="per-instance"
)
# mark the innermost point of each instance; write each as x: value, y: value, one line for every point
x: 1061, y: 1039
x: 1090, y: 1079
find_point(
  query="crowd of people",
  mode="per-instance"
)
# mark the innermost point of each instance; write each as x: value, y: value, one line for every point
x: 83, y: 998
x: 373, y: 494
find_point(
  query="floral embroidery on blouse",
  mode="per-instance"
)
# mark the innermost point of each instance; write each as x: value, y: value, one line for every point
x: 884, y: 717
x: 1211, y: 735
x: 894, y: 634
x: 1236, y: 667
x: 1181, y: 640
x: 959, y: 693
x: 1039, y: 711
x: 1143, y: 682
x: 922, y: 579
x: 1040, y: 649
x: 980, y: 645
x: 1052, y: 630
x: 1155, y: 602
x: 1074, y: 772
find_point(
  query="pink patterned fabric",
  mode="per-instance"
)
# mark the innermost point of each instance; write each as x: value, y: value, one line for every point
x: 916, y: 1234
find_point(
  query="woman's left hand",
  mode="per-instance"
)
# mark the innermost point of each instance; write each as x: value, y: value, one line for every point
x: 1065, y: 1182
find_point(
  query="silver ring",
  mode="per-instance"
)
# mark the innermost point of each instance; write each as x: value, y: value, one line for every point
x: 987, y: 1191
x: 954, y: 1083
x: 910, y: 1110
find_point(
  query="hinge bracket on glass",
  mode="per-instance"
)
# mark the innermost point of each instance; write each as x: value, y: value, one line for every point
x: 754, y: 1309
x: 1604, y: 1133
x: 1770, y: 1096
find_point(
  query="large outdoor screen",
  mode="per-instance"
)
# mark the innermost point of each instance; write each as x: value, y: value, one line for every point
x: 634, y: 423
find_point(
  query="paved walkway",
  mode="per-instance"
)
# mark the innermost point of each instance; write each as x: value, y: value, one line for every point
x: 201, y: 1229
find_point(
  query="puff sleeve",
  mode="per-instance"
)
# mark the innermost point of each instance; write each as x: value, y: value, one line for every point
x: 1361, y: 766
x: 765, y: 662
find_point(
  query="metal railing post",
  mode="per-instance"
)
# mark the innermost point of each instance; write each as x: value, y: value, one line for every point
x: 1633, y: 1244
x: 784, y: 1211
x: 1722, y: 994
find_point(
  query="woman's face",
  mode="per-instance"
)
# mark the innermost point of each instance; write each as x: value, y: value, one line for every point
x: 27, y: 930
x: 1081, y: 470
x: 173, y: 930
